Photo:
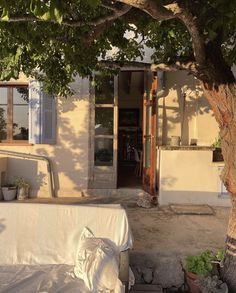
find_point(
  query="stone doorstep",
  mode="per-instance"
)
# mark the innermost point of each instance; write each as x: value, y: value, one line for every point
x: 140, y: 288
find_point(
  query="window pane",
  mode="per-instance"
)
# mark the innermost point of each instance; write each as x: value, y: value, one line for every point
x: 104, y: 90
x: 3, y: 122
x: 20, y: 95
x: 3, y: 95
x: 103, y: 121
x: 103, y: 155
x: 20, y: 122
x: 20, y: 113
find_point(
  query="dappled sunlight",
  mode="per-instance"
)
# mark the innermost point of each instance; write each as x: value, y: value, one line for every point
x: 183, y: 111
x: 70, y: 155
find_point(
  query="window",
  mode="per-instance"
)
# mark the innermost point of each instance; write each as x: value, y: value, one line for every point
x: 14, y: 113
x: 104, y: 120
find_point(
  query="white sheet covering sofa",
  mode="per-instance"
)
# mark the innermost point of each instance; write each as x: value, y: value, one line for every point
x: 38, y: 243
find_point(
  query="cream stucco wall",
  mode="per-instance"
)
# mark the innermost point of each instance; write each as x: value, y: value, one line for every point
x: 184, y: 111
x: 69, y: 156
x: 190, y: 177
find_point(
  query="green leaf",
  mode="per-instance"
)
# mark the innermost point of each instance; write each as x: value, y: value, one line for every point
x: 92, y: 3
x: 171, y: 34
x: 56, y: 11
x: 5, y: 14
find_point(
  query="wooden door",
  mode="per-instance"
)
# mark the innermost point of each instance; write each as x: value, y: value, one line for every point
x: 149, y: 134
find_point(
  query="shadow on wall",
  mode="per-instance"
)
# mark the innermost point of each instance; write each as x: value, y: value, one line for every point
x: 36, y: 178
x: 2, y: 226
x: 69, y: 156
x: 181, y: 107
x: 168, y: 181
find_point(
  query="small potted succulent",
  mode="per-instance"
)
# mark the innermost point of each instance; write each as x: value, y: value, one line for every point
x: 22, y: 188
x: 9, y: 191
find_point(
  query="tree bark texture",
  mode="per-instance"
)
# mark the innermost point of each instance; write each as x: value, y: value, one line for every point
x: 229, y: 270
x: 222, y: 99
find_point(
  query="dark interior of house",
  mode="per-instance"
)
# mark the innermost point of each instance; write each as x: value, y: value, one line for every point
x: 130, y: 103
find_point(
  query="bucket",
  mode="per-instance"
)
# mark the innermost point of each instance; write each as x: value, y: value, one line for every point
x: 175, y: 141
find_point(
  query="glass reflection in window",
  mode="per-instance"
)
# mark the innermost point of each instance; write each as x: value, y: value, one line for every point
x: 20, y: 113
x: 103, y: 155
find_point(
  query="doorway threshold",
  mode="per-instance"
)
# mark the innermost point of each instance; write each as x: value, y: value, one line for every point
x: 122, y: 191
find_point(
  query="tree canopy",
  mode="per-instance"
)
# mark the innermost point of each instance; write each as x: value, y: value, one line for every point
x: 55, y: 40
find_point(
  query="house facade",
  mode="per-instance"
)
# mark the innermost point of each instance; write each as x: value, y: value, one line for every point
x: 133, y: 130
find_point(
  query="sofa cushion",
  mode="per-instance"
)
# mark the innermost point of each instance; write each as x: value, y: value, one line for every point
x: 97, y: 262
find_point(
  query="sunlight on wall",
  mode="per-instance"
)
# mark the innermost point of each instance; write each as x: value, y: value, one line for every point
x: 69, y: 156
x: 185, y: 112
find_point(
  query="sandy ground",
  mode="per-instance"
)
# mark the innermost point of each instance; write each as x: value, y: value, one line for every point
x: 158, y: 232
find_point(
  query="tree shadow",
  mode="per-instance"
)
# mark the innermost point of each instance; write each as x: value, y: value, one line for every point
x: 70, y: 155
x: 2, y: 226
x: 182, y: 102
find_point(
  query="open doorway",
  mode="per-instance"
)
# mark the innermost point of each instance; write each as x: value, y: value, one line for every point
x: 130, y: 132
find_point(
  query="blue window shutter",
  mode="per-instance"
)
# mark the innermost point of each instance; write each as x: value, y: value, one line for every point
x: 42, y: 115
x: 48, y: 118
x: 34, y: 112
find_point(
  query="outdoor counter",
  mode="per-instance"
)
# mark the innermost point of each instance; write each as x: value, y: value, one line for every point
x: 187, y: 175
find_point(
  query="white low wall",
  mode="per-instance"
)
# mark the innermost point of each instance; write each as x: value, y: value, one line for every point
x: 189, y: 176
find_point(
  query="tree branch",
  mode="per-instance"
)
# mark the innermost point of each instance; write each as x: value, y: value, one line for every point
x: 76, y: 23
x: 171, y: 11
x: 151, y: 7
x: 191, y: 24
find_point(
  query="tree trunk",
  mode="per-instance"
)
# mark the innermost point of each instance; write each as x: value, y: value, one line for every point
x: 222, y: 99
x: 229, y: 270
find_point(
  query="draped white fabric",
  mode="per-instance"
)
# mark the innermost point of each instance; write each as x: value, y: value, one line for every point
x: 39, y: 279
x: 35, y: 234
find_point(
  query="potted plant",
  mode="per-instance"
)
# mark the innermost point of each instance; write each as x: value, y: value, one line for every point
x: 9, y: 191
x: 196, y: 266
x: 22, y: 188
x: 217, y: 152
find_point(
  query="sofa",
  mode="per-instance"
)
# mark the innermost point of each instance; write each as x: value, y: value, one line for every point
x: 38, y: 244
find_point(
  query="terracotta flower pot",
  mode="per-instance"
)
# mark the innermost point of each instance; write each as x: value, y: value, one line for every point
x: 191, y: 279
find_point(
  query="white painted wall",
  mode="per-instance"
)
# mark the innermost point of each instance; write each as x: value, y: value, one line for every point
x: 189, y: 176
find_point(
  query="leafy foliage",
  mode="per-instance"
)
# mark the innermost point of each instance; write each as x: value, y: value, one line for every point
x: 200, y: 264
x: 21, y: 182
x: 55, y: 40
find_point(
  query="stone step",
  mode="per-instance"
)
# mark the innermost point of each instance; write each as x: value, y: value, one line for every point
x: 143, y: 288
x: 151, y: 268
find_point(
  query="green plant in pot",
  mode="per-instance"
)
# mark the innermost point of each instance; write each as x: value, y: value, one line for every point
x: 217, y: 152
x: 23, y: 187
x: 199, y: 265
